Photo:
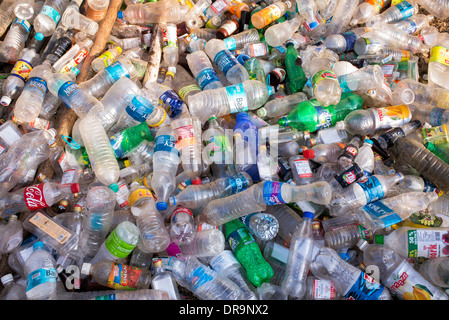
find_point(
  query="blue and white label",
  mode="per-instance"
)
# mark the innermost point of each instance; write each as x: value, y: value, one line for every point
x: 272, y: 192
x: 51, y: 12
x: 38, y: 85
x: 66, y: 91
x: 365, y: 288
x: 350, y: 38
x: 23, y: 23
x: 199, y: 277
x: 41, y: 276
x: 230, y: 43
x: 343, y: 83
x: 436, y: 114
x: 139, y: 109
x: 238, y: 183
x: 372, y: 188
x: 206, y: 77
x: 116, y: 71
x: 225, y: 61
x: 237, y: 99
x: 166, y: 143
x: 171, y: 99
x: 406, y: 9
x: 380, y: 212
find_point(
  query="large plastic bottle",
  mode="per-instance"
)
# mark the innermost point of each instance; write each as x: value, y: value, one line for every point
x: 324, y: 153
x: 281, y: 105
x: 167, y: 11
x: 247, y: 252
x: 15, y: 39
x: 41, y: 274
x: 341, y: 16
x: 366, y: 10
x: 29, y: 104
x: 127, y: 140
x: 238, y: 40
x: 218, y: 52
x: 12, y: 290
x: 73, y: 19
x: 279, y: 33
x: 296, y: 75
x: 203, y: 71
x: 164, y: 281
x: 47, y: 19
x: 12, y: 235
x: 364, y: 79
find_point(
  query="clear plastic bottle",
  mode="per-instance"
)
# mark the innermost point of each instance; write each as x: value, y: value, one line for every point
x: 349, y: 152
x: 182, y: 226
x: 15, y: 39
x: 106, y: 58
x: 14, y: 83
x: 73, y: 19
x: 323, y: 153
x: 262, y: 225
x: 170, y: 11
x: 279, y: 33
x: 153, y: 233
x: 281, y: 105
x: 398, y: 12
x: 164, y: 281
x: 301, y: 170
x: 41, y: 274
x: 437, y: 66
x: 12, y: 235
x: 6, y: 15
x: 207, y: 242
x: 270, y: 13
x: 343, y: 42
x: 29, y: 104
x: 249, y: 95
x: 218, y: 52
x: 364, y: 79
x: 319, y: 289
x: 170, y: 50
x: 436, y: 271
x: 366, y: 10
x: 259, y: 196
x: 365, y: 157
x: 203, y: 71
x: 238, y: 40
x: 341, y: 16
x: 343, y: 238
x: 288, y: 220
x: 12, y: 289
x: 73, y: 56
x: 47, y: 19
x: 415, y: 23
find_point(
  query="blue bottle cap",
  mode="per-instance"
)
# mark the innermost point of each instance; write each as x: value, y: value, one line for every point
x: 38, y: 245
x: 120, y: 14
x: 161, y: 206
x: 368, y: 141
x: 241, y: 58
x: 39, y: 36
x: 313, y: 25
x: 114, y: 187
x: 270, y: 90
x: 308, y: 214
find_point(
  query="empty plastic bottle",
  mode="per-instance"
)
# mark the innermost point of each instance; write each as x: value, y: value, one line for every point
x: 343, y: 42
x: 281, y: 105
x: 349, y: 152
x: 47, y: 19
x: 7, y: 15
x: 106, y: 58
x: 238, y: 40
x: 12, y: 235
x: 341, y: 16
x: 279, y: 33
x: 203, y: 71
x: 41, y: 274
x: 164, y: 281
x: 398, y: 12
x: 270, y: 14
x: 182, y: 226
x: 12, y: 290
x: 167, y: 11
x: 435, y: 271
x: 262, y: 225
x: 345, y: 237
x: 364, y: 79
x: 15, y: 39
x: 366, y: 10
x: 295, y: 73
x: 387, y: 139
x: 323, y: 153
x: 205, y: 243
x: 73, y: 19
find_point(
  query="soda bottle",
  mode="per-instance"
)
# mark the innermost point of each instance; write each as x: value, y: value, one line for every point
x: 387, y: 139
x: 182, y: 226
x: 295, y: 73
x: 270, y: 14
x: 248, y: 253
x: 129, y: 139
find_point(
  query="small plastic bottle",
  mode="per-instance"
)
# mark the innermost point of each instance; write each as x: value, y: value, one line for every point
x: 106, y: 58
x: 182, y: 226
x: 163, y: 280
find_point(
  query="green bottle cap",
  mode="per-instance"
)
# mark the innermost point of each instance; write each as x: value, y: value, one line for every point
x: 379, y: 239
x: 282, y: 122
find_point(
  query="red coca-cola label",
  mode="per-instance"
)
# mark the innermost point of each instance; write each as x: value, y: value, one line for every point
x: 34, y: 197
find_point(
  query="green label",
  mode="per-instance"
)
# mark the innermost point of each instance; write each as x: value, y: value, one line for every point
x: 240, y: 238
x: 321, y: 75
x: 412, y: 237
x: 117, y: 247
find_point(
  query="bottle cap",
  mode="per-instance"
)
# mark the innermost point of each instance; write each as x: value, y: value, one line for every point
x: 196, y: 181
x: 379, y: 239
x: 313, y: 25
x: 75, y: 188
x: 362, y: 244
x: 157, y: 262
x: 270, y: 90
x: 7, y: 278
x: 114, y: 187
x: 309, y: 154
x: 241, y: 58
x: 85, y: 269
x: 38, y: 245
x: 283, y: 122
x: 39, y: 36
x: 5, y: 101
x: 161, y: 206
x: 308, y: 214
x: 368, y: 141
x: 262, y: 112
x: 120, y: 15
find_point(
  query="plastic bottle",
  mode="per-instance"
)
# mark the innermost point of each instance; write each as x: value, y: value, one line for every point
x: 343, y: 238
x: 397, y: 274
x: 197, y: 196
x: 227, y: 28
x: 318, y: 289
x: 387, y: 139
x: 263, y: 226
x: 15, y: 38
x: 118, y: 276
x: 203, y: 71
x: 41, y: 274
x: 139, y: 294
x: 310, y: 115
x: 156, y: 12
x: 29, y: 104
x: 366, y: 10
x: 364, y: 79
x: 279, y: 33
x: 365, y: 158
x: 12, y: 235
x: 14, y: 83
x: 7, y: 15
x: 170, y: 46
x: 49, y: 16
x: 435, y: 271
x: 127, y: 140
x: 259, y: 196
x: 218, y: 52
x: 295, y: 73
x: 106, y: 58
x: 73, y: 57
x: 248, y: 252
x: 99, y: 210
x: 270, y: 13
x: 398, y: 12
x: 341, y: 17
x: 415, y: 23
x: 323, y: 153
x: 182, y: 226
x: 350, y: 282
x: 207, y: 242
x: 281, y: 105
x: 97, y: 9
x: 73, y: 19
x: 238, y: 40
x: 301, y: 170
x: 195, y: 17
x: 153, y: 233
x: 343, y: 42
x: 163, y: 281
x: 12, y: 290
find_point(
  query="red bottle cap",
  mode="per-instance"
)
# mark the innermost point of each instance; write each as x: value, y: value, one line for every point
x: 196, y: 181
x: 75, y: 188
x: 309, y: 154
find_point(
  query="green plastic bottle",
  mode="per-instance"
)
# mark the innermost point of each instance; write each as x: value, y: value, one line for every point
x: 248, y: 253
x: 440, y: 150
x: 311, y: 116
x: 296, y: 78
x: 127, y: 140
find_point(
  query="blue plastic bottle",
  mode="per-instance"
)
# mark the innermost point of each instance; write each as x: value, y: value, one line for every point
x: 249, y: 133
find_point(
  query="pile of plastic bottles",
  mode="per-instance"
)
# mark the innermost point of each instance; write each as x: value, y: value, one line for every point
x: 231, y: 149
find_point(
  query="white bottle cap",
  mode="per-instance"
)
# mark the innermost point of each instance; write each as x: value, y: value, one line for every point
x: 85, y: 269
x: 7, y: 278
x: 5, y: 101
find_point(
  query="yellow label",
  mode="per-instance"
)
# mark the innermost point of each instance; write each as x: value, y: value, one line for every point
x: 398, y: 112
x: 439, y: 54
x: 405, y: 55
x: 50, y: 227
x: 137, y: 194
x: 22, y: 69
x: 395, y: 2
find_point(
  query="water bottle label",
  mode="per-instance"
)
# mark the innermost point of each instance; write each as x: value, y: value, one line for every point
x: 37, y: 85
x: 185, y: 136
x: 324, y: 118
x: 272, y: 192
x: 436, y: 116
x: 73, y: 63
x: 165, y: 143
x: 428, y: 243
x: 240, y: 238
x: 303, y: 169
x: 123, y: 277
x: 365, y: 288
x: 223, y: 261
x: 258, y: 49
x: 373, y: 189
x: 350, y: 38
x: 410, y: 27
x: 321, y: 75
x: 350, y: 176
x: 238, y: 183
x: 66, y: 90
x: 40, y: 276
x: 23, y: 23
x: 379, y: 212
x: 51, y: 228
x: 230, y: 43
x: 199, y: 277
x: 171, y: 99
x: 439, y: 54
x: 116, y: 71
x: 392, y: 116
x: 238, y: 102
x: 323, y: 289
x: 343, y: 83
x: 138, y: 110
x: 225, y: 61
x: 22, y: 69
x: 51, y: 12
x: 206, y: 77
x: 219, y: 6
x: 116, y: 246
x: 184, y: 91
x: 406, y: 9
x: 34, y: 197
x: 169, y: 37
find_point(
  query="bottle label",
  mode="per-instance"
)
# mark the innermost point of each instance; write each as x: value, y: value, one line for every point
x: 272, y: 192
x: 71, y: 65
x: 51, y: 12
x: 124, y: 277
x: 169, y: 37
x: 171, y: 99
x: 184, y: 91
x: 185, y: 136
x: 50, y: 227
x: 223, y: 261
x: 303, y: 168
x: 392, y: 116
x: 116, y: 71
x: 272, y: 12
x: 224, y: 60
x: 219, y: 6
x: 230, y: 43
x: 67, y: 177
x: 116, y: 246
x: 34, y: 197
x: 435, y: 116
x: 438, y: 134
x: 377, y: 4
x: 218, y: 145
x: 22, y: 69
x: 41, y: 276
x: 122, y: 195
x: 439, y: 54
x: 206, y: 77
x: 372, y: 188
x: 37, y: 85
x: 350, y: 38
x: 258, y: 49
x: 66, y: 90
x: 324, y: 118
x: 406, y: 9
x: 174, y: 215
x: 23, y: 23
x: 240, y: 238
x: 321, y: 75
x: 237, y: 99
x: 138, y: 111
x: 230, y: 27
x: 166, y: 143
x: 379, y: 212
x: 365, y: 288
x: 238, y: 183
x: 106, y: 297
x: 323, y: 289
x: 428, y: 243
x: 107, y: 57
x: 199, y: 277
